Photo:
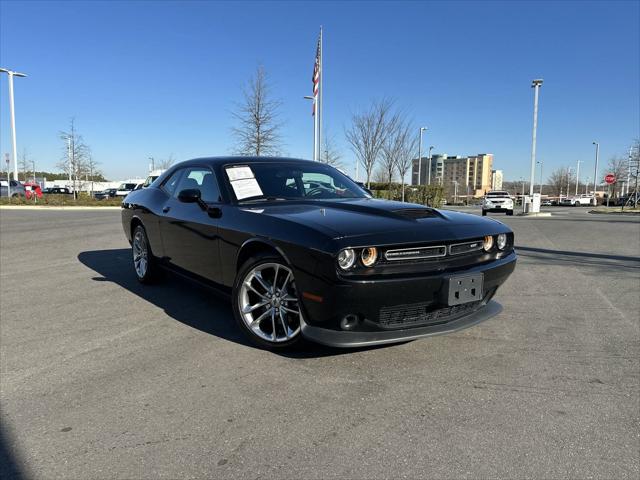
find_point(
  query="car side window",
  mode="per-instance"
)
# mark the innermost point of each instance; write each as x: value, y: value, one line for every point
x: 170, y: 184
x: 202, y: 179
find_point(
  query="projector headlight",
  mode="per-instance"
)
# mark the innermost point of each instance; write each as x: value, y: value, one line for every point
x: 487, y: 244
x: 368, y: 256
x: 502, y: 241
x: 346, y: 258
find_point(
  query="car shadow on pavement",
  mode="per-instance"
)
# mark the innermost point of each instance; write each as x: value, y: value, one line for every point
x: 586, y: 258
x: 10, y: 467
x: 187, y: 302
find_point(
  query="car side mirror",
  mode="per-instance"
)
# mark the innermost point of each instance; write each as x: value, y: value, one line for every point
x: 189, y: 195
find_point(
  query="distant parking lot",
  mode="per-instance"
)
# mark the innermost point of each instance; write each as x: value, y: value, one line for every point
x: 102, y: 377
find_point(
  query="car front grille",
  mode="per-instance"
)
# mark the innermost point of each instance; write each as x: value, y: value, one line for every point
x: 423, y: 314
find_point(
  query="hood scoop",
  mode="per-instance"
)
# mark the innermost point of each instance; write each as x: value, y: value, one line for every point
x: 417, y: 213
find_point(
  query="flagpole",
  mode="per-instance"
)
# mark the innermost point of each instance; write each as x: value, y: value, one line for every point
x: 320, y: 95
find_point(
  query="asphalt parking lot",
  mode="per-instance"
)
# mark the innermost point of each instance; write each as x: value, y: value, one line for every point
x: 104, y: 378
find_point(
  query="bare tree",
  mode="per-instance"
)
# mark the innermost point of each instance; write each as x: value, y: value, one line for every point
x: 258, y: 127
x: 618, y: 166
x: 165, y: 163
x: 368, y: 132
x: 559, y: 181
x: 399, y: 149
x: 76, y: 155
x: 91, y: 169
x: 24, y: 163
x: 330, y: 154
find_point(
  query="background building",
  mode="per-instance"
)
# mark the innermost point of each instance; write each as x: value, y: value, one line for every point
x: 496, y: 179
x: 473, y: 174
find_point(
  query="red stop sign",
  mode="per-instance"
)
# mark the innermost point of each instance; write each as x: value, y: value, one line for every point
x: 610, y: 178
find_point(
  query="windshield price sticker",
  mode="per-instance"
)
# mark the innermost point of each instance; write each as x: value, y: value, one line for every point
x: 243, y: 182
x: 239, y: 173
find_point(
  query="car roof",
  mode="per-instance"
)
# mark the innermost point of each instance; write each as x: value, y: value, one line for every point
x: 240, y: 159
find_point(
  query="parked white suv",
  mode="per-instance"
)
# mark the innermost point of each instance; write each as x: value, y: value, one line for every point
x: 579, y: 200
x: 497, y: 201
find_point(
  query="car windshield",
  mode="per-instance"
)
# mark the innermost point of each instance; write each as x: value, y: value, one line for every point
x: 290, y: 181
x: 497, y: 194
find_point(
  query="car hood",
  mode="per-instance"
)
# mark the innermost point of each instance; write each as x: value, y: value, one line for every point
x: 369, y: 221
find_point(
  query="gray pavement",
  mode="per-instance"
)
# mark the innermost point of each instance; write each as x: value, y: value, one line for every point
x: 104, y: 378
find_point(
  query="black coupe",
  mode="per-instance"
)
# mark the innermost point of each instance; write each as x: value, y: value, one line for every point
x: 304, y: 252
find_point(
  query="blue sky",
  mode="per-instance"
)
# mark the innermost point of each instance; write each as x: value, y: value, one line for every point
x: 156, y: 78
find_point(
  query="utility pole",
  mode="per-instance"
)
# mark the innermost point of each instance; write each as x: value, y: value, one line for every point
x: 535, y: 84
x: 420, y: 157
x: 568, y: 180
x: 430, y: 148
x: 578, y: 175
x: 595, y: 172
x: 12, y: 109
x: 628, y: 172
x: 540, y: 162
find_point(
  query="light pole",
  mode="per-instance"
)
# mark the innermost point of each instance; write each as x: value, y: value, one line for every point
x: 420, y: 156
x: 578, y: 174
x: 315, y: 132
x: 595, y: 172
x: 153, y: 166
x: 586, y: 185
x: 455, y: 191
x: 540, y: 162
x: 12, y: 74
x: 430, y: 148
x: 535, y: 84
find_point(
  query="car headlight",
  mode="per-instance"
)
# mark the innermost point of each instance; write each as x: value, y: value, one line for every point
x: 346, y: 258
x: 502, y: 241
x: 368, y: 256
x: 487, y: 244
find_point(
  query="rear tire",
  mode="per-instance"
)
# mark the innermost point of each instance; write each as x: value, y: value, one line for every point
x: 265, y: 303
x: 484, y: 213
x: 145, y: 265
x: 510, y: 212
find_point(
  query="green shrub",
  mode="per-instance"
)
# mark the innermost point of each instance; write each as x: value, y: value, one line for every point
x: 83, y: 200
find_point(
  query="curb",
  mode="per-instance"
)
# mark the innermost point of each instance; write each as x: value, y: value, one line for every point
x: 600, y: 212
x: 541, y: 214
x: 54, y: 207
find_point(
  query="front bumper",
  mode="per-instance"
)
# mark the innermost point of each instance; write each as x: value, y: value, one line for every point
x: 336, y: 338
x: 397, y: 309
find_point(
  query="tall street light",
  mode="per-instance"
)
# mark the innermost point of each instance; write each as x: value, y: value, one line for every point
x: 595, y: 172
x: 422, y: 129
x: 535, y: 84
x: 430, y: 148
x: 12, y: 74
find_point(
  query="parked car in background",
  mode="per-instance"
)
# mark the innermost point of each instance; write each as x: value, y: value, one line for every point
x: 108, y: 193
x: 579, y: 200
x: 125, y: 188
x: 32, y: 189
x: 546, y: 203
x: 497, y: 201
x: 152, y: 177
x: 11, y: 188
x: 57, y: 191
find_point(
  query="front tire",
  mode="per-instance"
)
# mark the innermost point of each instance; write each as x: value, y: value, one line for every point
x: 509, y: 213
x: 144, y: 263
x: 484, y: 213
x: 266, y: 304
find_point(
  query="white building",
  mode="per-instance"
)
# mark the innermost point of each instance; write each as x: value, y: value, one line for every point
x: 496, y: 179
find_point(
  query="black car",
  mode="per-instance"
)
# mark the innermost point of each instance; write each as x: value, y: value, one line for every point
x: 108, y: 193
x: 304, y: 252
x: 57, y: 191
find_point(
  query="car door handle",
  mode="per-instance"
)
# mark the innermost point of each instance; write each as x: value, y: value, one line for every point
x: 166, y: 209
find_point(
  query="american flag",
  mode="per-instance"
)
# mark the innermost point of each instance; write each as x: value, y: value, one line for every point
x: 316, y: 78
